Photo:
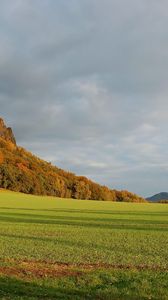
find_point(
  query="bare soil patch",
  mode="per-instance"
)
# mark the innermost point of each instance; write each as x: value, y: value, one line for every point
x: 40, y: 269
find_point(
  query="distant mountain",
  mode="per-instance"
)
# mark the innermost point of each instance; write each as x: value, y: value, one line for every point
x: 158, y: 197
x: 22, y: 171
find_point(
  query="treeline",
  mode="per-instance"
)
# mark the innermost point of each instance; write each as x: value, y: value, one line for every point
x: 163, y: 201
x: 23, y: 172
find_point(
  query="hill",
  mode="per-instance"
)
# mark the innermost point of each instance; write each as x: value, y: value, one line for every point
x: 22, y: 171
x: 158, y: 197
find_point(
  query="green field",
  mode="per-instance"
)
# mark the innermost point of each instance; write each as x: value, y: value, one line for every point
x: 70, y: 249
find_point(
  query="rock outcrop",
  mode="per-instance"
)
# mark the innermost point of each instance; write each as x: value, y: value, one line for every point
x: 6, y: 132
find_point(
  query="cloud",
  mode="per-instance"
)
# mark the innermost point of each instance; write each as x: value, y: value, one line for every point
x: 84, y: 85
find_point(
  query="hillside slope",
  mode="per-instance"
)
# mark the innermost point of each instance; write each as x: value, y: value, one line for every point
x: 23, y: 172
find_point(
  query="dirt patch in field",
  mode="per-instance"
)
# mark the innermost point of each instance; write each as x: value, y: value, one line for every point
x: 41, y: 269
x: 38, y: 270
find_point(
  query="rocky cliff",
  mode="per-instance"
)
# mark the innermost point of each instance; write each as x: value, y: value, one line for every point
x: 6, y: 132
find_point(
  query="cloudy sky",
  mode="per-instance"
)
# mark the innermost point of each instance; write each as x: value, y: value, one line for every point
x: 84, y: 84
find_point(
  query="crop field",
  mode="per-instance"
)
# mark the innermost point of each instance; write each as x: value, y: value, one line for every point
x: 77, y: 249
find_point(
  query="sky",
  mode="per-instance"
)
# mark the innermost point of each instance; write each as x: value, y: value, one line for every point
x: 84, y: 85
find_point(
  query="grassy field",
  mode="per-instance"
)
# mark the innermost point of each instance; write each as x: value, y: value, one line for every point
x: 69, y: 249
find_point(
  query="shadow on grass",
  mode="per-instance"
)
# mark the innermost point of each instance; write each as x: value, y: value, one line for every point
x: 12, y: 288
x: 88, y: 211
x: 123, y: 224
x: 48, y: 239
x: 104, y: 285
x: 85, y: 218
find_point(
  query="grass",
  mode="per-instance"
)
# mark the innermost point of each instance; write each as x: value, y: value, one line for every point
x: 70, y: 249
